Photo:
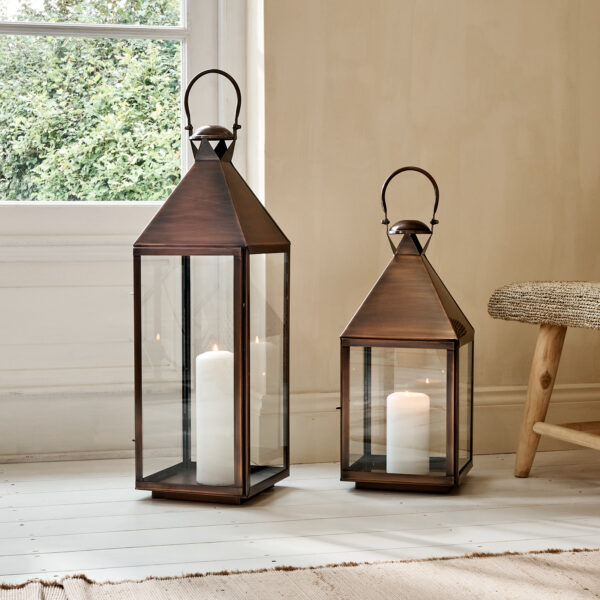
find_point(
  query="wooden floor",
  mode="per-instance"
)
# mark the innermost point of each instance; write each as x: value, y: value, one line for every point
x: 85, y: 517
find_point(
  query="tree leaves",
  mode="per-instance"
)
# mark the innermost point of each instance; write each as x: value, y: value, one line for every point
x: 90, y: 119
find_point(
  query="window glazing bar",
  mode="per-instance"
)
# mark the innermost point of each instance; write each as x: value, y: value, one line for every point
x: 86, y: 30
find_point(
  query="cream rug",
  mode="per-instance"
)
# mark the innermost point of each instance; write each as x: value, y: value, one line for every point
x: 568, y: 575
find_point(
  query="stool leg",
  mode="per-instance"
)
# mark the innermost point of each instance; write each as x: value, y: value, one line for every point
x: 541, y: 383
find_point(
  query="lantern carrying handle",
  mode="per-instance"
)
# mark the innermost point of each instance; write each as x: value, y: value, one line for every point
x: 385, y: 221
x: 186, y: 106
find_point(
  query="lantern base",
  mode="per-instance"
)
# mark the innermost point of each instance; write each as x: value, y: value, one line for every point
x: 441, y: 488
x: 406, y: 483
x: 178, y: 482
x: 191, y: 496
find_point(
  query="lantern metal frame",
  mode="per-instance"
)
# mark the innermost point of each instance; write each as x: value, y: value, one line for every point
x: 408, y: 307
x: 212, y: 212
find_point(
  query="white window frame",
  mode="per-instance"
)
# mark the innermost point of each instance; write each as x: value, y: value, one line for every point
x: 227, y: 34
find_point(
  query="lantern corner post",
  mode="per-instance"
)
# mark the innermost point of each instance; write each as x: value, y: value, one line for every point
x: 367, y: 408
x: 286, y: 362
x: 452, y: 430
x: 471, y: 398
x: 241, y: 325
x: 344, y: 407
x: 186, y: 364
x: 137, y: 361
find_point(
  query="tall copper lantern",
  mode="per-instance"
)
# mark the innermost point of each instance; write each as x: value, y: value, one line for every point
x: 211, y: 294
x: 407, y: 374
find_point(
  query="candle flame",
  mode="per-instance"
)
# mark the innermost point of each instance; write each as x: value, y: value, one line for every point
x: 256, y: 340
x: 264, y: 374
x: 215, y: 348
x: 158, y: 337
x: 427, y: 380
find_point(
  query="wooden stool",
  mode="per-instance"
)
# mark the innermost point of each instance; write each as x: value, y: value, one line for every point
x: 554, y: 305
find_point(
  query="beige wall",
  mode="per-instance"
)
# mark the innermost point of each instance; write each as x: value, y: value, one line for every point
x: 499, y: 100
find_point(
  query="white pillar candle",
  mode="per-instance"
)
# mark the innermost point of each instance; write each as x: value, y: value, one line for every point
x: 407, y: 433
x: 214, y: 418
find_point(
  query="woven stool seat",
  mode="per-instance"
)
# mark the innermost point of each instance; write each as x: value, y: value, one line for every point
x: 562, y: 303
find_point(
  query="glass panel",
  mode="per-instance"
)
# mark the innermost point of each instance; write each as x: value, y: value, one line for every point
x: 465, y: 400
x: 161, y: 363
x: 212, y: 359
x: 89, y: 119
x: 187, y: 369
x: 127, y: 12
x: 398, y: 410
x: 267, y: 403
x: 358, y: 427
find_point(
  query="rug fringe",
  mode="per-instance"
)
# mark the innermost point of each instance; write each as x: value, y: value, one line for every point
x: 59, y: 583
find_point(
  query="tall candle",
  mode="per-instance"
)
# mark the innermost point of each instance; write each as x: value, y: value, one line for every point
x: 407, y: 433
x: 214, y: 418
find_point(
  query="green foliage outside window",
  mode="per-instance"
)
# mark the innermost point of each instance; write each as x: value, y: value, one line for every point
x: 90, y: 118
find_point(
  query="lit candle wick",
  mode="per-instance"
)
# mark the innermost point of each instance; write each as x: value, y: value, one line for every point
x: 256, y: 340
x: 157, y: 337
x: 427, y: 380
x: 215, y: 348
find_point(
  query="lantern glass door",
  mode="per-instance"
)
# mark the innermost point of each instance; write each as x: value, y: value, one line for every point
x: 188, y: 369
x: 398, y: 410
x: 268, y: 437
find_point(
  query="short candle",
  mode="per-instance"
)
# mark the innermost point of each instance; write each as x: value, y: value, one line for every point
x: 407, y: 433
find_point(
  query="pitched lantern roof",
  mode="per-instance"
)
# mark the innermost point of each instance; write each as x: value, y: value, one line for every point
x: 213, y: 207
x: 409, y: 302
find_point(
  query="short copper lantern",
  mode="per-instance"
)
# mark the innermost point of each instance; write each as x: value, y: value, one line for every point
x: 407, y: 374
x: 211, y: 297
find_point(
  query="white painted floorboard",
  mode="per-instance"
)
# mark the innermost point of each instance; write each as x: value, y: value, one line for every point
x: 58, y: 519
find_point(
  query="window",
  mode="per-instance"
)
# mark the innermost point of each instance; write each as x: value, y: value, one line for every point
x: 65, y: 265
x: 90, y: 97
